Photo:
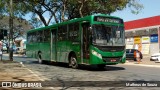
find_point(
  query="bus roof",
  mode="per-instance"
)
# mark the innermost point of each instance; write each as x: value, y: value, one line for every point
x: 71, y: 21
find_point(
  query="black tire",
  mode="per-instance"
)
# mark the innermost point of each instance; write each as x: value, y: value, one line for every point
x: 40, y: 61
x: 152, y: 60
x: 101, y: 66
x: 73, y: 62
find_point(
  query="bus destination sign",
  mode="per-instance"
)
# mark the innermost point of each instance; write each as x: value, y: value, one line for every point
x: 107, y: 19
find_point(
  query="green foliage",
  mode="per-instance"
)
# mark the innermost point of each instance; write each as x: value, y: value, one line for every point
x: 87, y: 7
x: 135, y: 6
x: 20, y: 26
x: 61, y: 10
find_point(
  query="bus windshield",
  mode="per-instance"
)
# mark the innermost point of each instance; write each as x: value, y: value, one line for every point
x: 105, y: 35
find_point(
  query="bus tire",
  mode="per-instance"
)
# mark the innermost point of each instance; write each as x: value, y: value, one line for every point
x: 101, y: 66
x: 40, y: 61
x: 73, y: 62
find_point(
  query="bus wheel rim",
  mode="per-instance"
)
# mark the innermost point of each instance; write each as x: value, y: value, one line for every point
x: 39, y: 59
x: 73, y: 61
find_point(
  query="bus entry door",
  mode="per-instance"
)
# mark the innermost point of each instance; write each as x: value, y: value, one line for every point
x: 85, y: 41
x: 53, y: 45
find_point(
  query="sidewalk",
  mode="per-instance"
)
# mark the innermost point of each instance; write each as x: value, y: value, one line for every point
x: 14, y: 71
x: 145, y: 62
x: 18, y: 77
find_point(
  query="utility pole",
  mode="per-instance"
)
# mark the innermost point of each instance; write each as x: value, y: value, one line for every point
x: 11, y: 31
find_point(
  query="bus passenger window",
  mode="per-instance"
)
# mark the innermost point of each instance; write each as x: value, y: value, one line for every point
x: 54, y: 35
x: 62, y: 33
x: 73, y: 31
x: 40, y: 36
x: 29, y: 37
x: 47, y: 35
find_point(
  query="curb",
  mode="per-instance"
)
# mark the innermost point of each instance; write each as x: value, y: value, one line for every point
x: 13, y: 55
x: 32, y: 72
x: 146, y: 65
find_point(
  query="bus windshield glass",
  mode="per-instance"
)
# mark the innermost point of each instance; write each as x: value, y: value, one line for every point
x: 104, y: 35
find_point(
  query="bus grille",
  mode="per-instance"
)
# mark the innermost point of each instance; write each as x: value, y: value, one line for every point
x: 111, y: 48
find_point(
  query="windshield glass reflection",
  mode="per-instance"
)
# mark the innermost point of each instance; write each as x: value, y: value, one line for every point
x: 108, y: 35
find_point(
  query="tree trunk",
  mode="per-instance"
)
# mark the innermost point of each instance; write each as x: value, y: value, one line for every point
x: 81, y: 7
x: 41, y: 17
x: 63, y: 10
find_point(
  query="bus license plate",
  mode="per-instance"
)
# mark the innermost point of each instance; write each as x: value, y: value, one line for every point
x: 113, y: 60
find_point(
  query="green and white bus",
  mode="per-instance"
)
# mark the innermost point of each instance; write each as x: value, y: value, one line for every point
x: 91, y: 40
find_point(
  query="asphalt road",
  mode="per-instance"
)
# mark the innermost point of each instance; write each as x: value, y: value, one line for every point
x: 121, y: 72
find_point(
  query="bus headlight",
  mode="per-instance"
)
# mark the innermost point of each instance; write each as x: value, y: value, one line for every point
x: 97, y: 54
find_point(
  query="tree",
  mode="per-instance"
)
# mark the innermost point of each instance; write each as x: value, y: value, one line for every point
x: 20, y: 26
x: 41, y: 7
x: 62, y: 10
x: 80, y: 8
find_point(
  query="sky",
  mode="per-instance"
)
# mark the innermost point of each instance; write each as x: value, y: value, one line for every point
x: 150, y: 8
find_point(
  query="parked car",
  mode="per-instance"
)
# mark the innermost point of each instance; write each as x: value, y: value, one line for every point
x: 155, y: 57
x: 131, y: 54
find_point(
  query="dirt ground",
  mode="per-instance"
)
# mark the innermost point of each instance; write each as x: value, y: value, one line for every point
x: 14, y: 71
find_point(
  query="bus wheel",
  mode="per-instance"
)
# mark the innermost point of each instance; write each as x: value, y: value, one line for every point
x: 40, y: 58
x: 101, y: 66
x: 73, y: 62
